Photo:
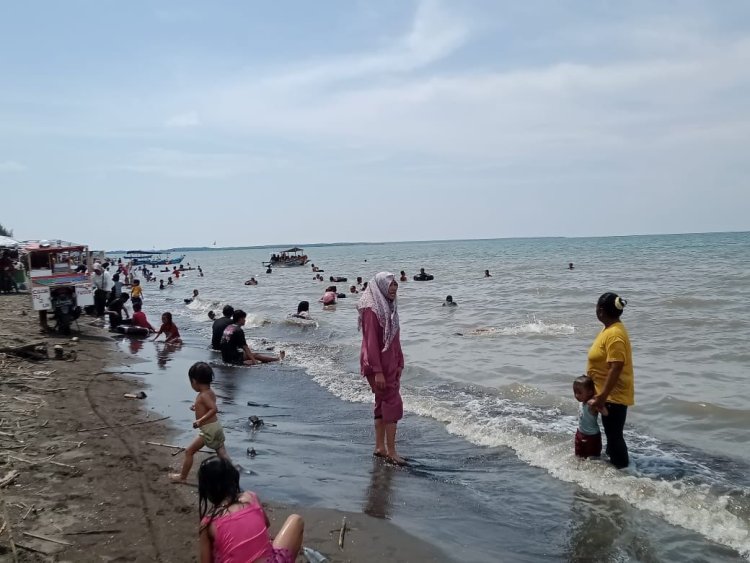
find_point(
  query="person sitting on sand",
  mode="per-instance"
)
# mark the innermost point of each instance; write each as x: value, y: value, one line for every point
x: 169, y: 329
x: 303, y: 310
x: 234, y: 347
x: 235, y: 527
x: 251, y: 281
x: 449, y: 302
x: 217, y: 330
x: 487, y: 274
x: 139, y: 318
x: 189, y: 300
x: 403, y: 277
x: 210, y: 432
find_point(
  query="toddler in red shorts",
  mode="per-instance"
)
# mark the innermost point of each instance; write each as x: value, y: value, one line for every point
x: 588, y: 441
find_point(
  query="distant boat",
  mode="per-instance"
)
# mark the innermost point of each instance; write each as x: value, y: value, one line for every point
x: 151, y: 258
x: 286, y: 258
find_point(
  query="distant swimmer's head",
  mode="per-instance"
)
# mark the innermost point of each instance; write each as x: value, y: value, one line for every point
x: 195, y: 293
x: 421, y: 270
x: 583, y: 388
x: 227, y: 311
x: 303, y: 307
x: 359, y: 279
x: 239, y: 317
x: 570, y: 265
x: 218, y: 483
x: 487, y: 274
x: 449, y: 299
x: 353, y: 289
x: 211, y: 314
x: 610, y: 306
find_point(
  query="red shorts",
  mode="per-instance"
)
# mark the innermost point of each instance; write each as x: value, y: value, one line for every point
x: 587, y: 445
x: 388, y: 403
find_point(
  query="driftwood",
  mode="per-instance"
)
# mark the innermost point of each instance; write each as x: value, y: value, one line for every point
x: 342, y: 533
x: 36, y: 351
x: 179, y: 449
x: 9, y: 478
x: 124, y: 425
x: 45, y: 538
x: 93, y: 532
x: 42, y: 461
x: 10, y: 533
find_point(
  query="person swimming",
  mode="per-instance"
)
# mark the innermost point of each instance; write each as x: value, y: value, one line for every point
x: 193, y: 298
x: 161, y: 284
x: 449, y: 302
x: 251, y: 281
x: 403, y: 277
x: 212, y: 315
x: 423, y: 276
x: 353, y: 289
x: 303, y: 310
x: 570, y: 265
x: 329, y: 297
x: 487, y: 274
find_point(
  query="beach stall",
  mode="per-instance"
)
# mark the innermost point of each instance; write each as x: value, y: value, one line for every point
x: 59, y: 277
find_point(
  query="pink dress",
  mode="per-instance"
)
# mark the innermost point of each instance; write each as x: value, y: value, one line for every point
x: 242, y: 537
x: 372, y: 360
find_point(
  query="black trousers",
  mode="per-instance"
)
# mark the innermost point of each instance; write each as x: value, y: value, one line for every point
x: 100, y: 301
x: 614, y: 424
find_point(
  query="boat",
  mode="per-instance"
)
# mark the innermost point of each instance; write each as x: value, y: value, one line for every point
x: 285, y: 258
x: 151, y: 258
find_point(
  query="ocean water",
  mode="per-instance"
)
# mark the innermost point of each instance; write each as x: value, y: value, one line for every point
x: 490, y: 414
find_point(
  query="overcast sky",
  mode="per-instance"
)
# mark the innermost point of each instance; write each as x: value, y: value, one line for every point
x: 157, y: 124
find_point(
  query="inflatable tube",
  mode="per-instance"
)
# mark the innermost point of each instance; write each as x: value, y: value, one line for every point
x: 426, y: 277
x: 132, y: 330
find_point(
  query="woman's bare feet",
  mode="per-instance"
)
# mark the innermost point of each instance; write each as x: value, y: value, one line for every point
x: 177, y: 478
x: 379, y: 453
x: 397, y: 460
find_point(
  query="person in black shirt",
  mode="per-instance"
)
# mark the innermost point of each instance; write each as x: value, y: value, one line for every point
x: 219, y: 326
x: 116, y: 311
x: 234, y: 347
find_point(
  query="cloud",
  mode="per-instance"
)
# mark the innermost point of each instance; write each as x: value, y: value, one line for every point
x: 189, y: 119
x: 12, y: 166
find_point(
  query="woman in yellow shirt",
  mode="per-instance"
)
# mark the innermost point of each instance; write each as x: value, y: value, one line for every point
x: 610, y: 365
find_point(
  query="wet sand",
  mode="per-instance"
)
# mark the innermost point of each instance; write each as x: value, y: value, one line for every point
x: 82, y: 484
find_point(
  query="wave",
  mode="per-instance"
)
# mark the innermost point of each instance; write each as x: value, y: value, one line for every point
x: 664, y: 481
x: 686, y: 302
x: 532, y: 328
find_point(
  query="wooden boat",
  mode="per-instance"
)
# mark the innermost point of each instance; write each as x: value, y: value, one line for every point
x: 286, y: 258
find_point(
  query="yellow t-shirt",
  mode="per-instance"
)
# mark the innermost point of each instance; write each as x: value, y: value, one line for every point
x: 612, y: 345
x: 136, y: 291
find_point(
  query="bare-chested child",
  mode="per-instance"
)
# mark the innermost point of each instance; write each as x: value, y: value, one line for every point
x: 210, y: 433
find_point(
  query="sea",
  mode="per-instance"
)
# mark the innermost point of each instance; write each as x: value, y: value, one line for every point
x: 489, y: 409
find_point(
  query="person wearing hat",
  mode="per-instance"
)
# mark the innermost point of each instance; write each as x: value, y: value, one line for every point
x: 102, y: 286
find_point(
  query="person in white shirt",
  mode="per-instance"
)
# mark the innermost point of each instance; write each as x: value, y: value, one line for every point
x: 102, y: 286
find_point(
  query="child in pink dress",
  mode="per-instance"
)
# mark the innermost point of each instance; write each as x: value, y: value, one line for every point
x: 234, y: 528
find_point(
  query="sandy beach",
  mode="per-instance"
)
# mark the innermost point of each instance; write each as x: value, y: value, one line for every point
x: 80, y: 483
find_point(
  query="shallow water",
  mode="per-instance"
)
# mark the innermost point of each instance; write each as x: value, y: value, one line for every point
x: 491, y: 381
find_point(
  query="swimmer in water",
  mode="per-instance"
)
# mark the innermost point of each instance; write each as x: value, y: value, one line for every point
x: 193, y: 298
x: 359, y: 280
x: 487, y: 274
x: 303, y: 310
x: 570, y: 266
x: 403, y: 277
x: 211, y: 315
x: 161, y: 284
x: 449, y: 302
x: 251, y: 281
x: 353, y: 289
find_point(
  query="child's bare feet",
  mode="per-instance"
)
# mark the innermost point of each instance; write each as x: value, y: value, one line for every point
x: 177, y: 478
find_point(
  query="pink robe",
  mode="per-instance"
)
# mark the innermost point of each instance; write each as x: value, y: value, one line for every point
x: 372, y: 359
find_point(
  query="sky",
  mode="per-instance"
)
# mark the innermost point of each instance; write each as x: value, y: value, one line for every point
x: 154, y: 124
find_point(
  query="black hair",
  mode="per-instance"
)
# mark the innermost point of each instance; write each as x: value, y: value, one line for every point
x: 611, y: 304
x: 227, y: 311
x: 331, y: 288
x: 168, y: 315
x: 116, y: 277
x: 137, y: 307
x: 238, y: 314
x: 124, y: 296
x: 136, y: 282
x: 201, y: 372
x: 403, y: 273
x: 303, y: 306
x: 218, y: 484
x: 449, y: 298
x: 584, y: 383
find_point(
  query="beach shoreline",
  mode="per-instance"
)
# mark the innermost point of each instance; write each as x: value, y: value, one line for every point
x: 85, y: 485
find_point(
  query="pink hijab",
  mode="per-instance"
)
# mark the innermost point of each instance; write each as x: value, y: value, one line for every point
x: 375, y: 298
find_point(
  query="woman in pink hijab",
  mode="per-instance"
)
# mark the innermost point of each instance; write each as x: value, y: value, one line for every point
x: 382, y: 361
